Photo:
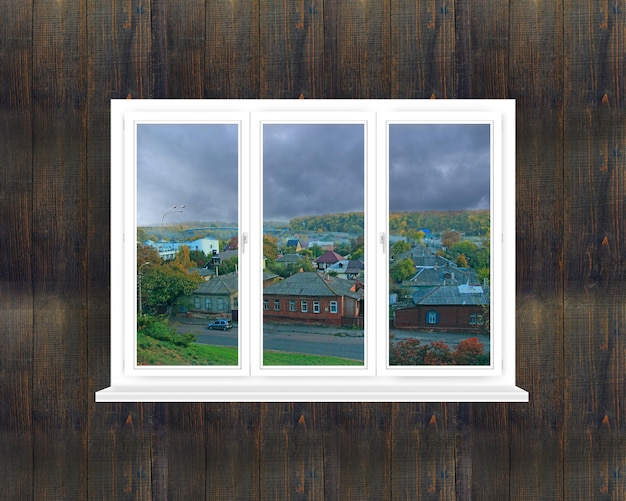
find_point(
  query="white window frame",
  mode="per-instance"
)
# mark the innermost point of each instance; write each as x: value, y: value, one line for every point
x: 244, y: 382
x: 334, y: 307
x: 316, y: 306
x: 304, y: 306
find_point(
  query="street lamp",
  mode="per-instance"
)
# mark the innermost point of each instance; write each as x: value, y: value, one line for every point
x: 139, y: 275
x: 170, y: 211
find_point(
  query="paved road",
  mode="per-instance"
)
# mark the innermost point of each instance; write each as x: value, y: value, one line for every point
x: 313, y: 340
x: 344, y: 343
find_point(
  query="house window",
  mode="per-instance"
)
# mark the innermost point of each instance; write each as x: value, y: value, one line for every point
x: 432, y: 317
x: 378, y: 206
x: 208, y: 304
x: 220, y: 305
x: 196, y: 303
x: 476, y: 319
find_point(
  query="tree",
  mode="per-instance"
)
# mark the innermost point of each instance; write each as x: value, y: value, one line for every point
x: 270, y: 247
x: 162, y: 286
x: 449, y: 238
x: 399, y: 247
x: 403, y: 270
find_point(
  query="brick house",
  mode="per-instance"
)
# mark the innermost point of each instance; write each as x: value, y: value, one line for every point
x: 445, y: 308
x: 314, y: 298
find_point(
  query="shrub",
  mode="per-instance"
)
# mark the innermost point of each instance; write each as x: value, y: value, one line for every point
x: 160, y: 330
x: 411, y: 352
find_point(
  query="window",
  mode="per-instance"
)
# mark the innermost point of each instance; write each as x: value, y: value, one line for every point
x: 208, y: 304
x: 432, y: 317
x: 409, y: 264
x: 476, y: 319
x: 196, y: 303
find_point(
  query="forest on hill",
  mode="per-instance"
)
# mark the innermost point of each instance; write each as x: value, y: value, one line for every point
x: 469, y: 222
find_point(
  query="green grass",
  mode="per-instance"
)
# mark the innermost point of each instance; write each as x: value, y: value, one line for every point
x: 152, y: 351
x: 281, y: 358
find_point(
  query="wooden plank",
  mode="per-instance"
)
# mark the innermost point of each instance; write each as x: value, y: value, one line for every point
x: 594, y: 229
x: 232, y: 68
x: 179, y: 43
x: 291, y: 49
x: 422, y: 49
x: 186, y: 464
x: 60, y: 390
x: 357, y: 45
x: 16, y: 293
x: 482, y: 46
x: 358, y: 451
x: 233, y: 451
x: 291, y: 452
x: 482, y: 34
x: 423, y: 451
x: 536, y: 82
x: 120, y: 437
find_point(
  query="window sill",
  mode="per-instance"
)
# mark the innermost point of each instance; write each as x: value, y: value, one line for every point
x: 388, y: 389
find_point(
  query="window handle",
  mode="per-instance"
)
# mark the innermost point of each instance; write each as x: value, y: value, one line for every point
x: 244, y: 241
x: 381, y: 239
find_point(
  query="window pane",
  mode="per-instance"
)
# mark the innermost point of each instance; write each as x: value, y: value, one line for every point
x: 187, y: 246
x: 439, y: 237
x: 313, y: 246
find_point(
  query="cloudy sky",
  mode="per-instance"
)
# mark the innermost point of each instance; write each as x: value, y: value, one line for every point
x: 312, y: 169
x: 191, y: 164
x: 307, y: 169
x: 439, y: 166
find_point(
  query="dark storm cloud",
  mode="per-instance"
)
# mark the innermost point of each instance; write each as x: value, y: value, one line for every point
x: 191, y: 164
x: 439, y: 167
x: 312, y: 169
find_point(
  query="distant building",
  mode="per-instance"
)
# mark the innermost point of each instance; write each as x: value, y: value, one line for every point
x: 167, y: 250
x: 314, y: 298
x: 327, y: 259
x: 445, y: 308
x: 347, y: 268
x: 327, y: 246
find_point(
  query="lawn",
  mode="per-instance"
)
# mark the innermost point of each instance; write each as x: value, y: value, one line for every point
x: 281, y: 358
x: 152, y: 351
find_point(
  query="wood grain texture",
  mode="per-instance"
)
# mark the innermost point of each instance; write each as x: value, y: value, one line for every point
x: 422, y: 50
x: 232, y: 54
x: 357, y: 448
x: 357, y: 47
x: 60, y: 64
x: 423, y: 450
x: 233, y: 451
x: 120, y: 447
x: 536, y: 82
x: 595, y: 296
x: 291, y: 48
x: 58, y: 256
x: 16, y: 291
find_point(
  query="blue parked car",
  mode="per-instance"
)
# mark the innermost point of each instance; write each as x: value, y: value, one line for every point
x: 221, y: 324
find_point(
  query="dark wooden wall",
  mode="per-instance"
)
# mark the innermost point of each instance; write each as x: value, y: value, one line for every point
x: 60, y: 63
